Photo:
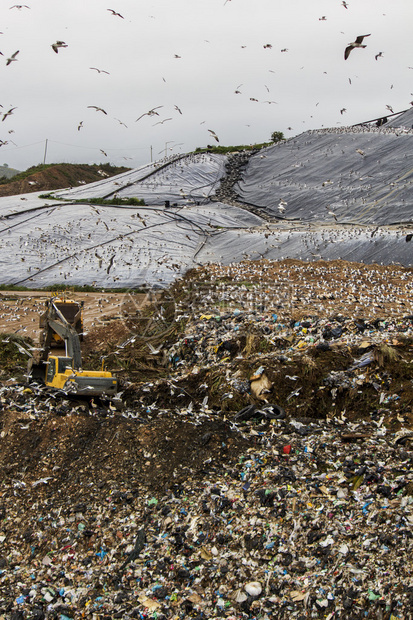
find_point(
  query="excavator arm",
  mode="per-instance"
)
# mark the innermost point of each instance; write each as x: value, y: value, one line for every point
x: 71, y: 338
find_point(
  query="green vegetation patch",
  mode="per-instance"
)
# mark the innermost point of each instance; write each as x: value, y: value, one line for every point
x: 133, y: 202
x: 124, y: 202
x: 276, y: 136
x: 230, y: 149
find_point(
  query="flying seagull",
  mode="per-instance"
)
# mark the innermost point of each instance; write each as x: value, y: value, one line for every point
x: 150, y: 113
x: 357, y: 43
x: 79, y: 127
x: 116, y: 14
x: 55, y: 46
x: 162, y: 122
x: 99, y: 70
x: 12, y: 58
x: 281, y: 205
x: 213, y: 134
x: 379, y: 55
x: 19, y: 6
x: 95, y: 107
x: 7, y: 114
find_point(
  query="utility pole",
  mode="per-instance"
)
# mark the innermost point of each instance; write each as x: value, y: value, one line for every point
x: 151, y: 153
x: 45, y: 151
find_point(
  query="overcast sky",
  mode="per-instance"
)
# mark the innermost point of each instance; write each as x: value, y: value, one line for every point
x: 192, y: 55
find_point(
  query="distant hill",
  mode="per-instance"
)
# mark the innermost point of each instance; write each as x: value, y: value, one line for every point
x: 55, y: 176
x: 7, y: 172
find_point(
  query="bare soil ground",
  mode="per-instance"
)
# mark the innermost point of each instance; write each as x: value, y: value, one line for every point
x: 20, y: 310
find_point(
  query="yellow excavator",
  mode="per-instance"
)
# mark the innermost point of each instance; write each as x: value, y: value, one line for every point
x: 62, y: 326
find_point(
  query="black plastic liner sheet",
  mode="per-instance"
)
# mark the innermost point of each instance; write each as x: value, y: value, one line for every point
x: 353, y: 175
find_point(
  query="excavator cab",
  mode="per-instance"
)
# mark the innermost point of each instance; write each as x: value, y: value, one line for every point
x: 61, y: 375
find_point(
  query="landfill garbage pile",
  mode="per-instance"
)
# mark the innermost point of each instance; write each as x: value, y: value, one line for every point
x: 257, y: 466
x: 283, y: 519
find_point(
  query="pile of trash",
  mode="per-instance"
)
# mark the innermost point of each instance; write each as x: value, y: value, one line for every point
x: 261, y: 470
x: 285, y: 518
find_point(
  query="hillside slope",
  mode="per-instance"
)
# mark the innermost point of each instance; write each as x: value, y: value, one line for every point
x: 57, y: 176
x: 7, y: 172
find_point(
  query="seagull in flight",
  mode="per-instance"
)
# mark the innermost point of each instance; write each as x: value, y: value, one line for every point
x: 357, y: 43
x: 79, y: 127
x: 6, y: 114
x: 213, y: 134
x: 95, y: 107
x: 99, y: 70
x: 12, y: 58
x: 150, y: 113
x: 162, y: 122
x: 55, y: 46
x: 116, y: 14
x: 19, y: 6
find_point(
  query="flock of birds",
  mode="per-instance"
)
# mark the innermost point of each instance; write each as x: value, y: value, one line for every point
x: 59, y: 45
x: 153, y: 251
x: 318, y: 289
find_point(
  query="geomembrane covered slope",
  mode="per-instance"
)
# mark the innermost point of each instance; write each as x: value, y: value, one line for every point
x: 189, y: 178
x: 354, y: 175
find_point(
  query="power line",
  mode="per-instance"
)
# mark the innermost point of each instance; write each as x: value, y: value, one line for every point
x: 25, y: 146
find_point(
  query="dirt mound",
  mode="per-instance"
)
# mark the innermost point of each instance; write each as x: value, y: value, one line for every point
x: 58, y: 176
x: 75, y: 445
